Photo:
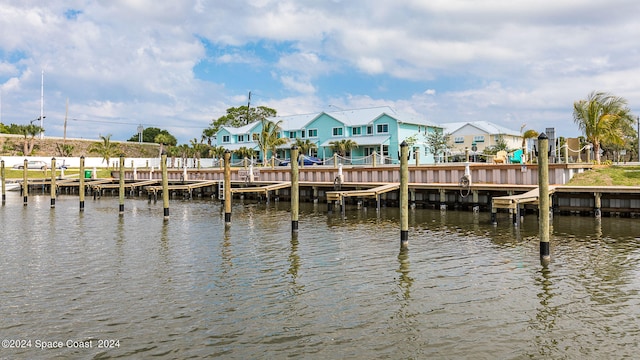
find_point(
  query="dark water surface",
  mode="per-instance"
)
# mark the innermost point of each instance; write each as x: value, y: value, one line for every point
x: 340, y: 289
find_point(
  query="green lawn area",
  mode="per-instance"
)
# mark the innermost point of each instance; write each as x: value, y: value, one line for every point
x: 608, y: 176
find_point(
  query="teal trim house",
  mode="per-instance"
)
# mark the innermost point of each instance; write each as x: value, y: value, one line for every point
x: 379, y: 130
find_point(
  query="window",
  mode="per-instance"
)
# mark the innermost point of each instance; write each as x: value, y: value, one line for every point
x: 369, y: 130
x: 478, y: 138
x: 337, y: 131
x: 459, y: 139
x: 312, y: 132
x: 292, y: 134
x: 240, y: 138
x: 225, y: 138
x: 302, y: 133
x: 356, y: 131
x: 382, y: 128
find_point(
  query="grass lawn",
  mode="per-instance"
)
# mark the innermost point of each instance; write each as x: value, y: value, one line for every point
x: 608, y: 176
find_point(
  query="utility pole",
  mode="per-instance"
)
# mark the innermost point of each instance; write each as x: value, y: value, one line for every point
x: 249, y: 110
x: 42, y: 106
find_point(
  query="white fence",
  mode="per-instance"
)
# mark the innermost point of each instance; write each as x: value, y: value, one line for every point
x: 98, y: 162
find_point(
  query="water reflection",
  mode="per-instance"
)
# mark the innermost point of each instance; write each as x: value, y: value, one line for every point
x: 192, y: 287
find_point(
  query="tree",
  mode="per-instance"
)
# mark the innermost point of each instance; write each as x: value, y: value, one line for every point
x: 29, y: 132
x: 149, y: 135
x: 602, y: 118
x: 269, y: 139
x: 501, y: 145
x: 239, y: 116
x: 106, y: 148
x: 245, y: 152
x: 305, y: 146
x: 164, y: 139
x: 342, y: 147
x: 437, y: 142
x: 208, y: 134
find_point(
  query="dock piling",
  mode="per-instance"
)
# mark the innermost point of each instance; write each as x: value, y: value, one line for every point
x: 25, y: 184
x: 53, y: 182
x: 81, y: 189
x: 404, y: 195
x: 295, y: 189
x: 543, y: 203
x: 165, y: 186
x: 121, y: 187
x: 3, y: 179
x: 227, y: 187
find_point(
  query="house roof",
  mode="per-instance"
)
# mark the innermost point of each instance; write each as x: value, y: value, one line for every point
x: 245, y: 129
x: 355, y: 117
x: 484, y: 126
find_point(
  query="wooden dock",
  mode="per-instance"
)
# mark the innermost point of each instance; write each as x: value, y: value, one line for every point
x: 339, y: 195
x: 514, y: 201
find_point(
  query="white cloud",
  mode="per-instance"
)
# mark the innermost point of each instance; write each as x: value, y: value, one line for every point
x: 484, y: 60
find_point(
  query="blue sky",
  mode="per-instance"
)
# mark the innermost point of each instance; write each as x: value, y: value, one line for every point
x: 178, y: 65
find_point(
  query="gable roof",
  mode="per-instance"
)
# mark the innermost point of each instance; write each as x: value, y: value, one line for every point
x: 355, y: 117
x: 484, y: 126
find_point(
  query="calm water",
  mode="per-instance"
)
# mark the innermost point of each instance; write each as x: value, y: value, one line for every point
x: 340, y: 289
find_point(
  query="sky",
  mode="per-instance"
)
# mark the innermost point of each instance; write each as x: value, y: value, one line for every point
x: 177, y: 65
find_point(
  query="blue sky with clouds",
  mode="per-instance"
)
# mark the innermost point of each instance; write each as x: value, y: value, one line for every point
x: 179, y: 64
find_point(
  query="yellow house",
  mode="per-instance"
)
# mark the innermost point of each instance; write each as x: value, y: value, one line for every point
x: 479, y: 135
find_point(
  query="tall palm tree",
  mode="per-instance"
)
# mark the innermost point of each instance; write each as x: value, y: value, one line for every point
x: 269, y: 140
x: 342, y: 147
x: 602, y: 118
x: 106, y: 148
x: 162, y: 139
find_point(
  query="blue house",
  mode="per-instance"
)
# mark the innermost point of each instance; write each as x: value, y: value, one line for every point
x: 379, y: 130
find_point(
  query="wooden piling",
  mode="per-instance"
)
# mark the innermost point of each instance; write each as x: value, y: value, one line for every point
x: 295, y: 190
x: 3, y: 179
x: 404, y: 195
x: 25, y: 184
x: 227, y: 187
x: 81, y: 189
x: 53, y: 182
x: 165, y: 185
x: 121, y: 186
x: 543, y: 202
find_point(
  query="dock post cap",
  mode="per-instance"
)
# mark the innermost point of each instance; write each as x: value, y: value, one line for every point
x: 543, y: 136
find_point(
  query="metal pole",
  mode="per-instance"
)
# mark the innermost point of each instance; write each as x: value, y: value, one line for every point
x: 404, y: 195
x: 543, y: 203
x: 295, y: 193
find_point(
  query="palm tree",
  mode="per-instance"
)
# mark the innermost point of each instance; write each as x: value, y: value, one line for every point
x: 602, y: 118
x: 342, y: 147
x: 29, y: 132
x: 162, y: 139
x: 245, y: 152
x: 106, y: 148
x: 305, y: 146
x: 268, y: 139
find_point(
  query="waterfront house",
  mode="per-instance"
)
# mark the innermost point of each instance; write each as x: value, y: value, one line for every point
x: 379, y: 130
x: 479, y: 135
